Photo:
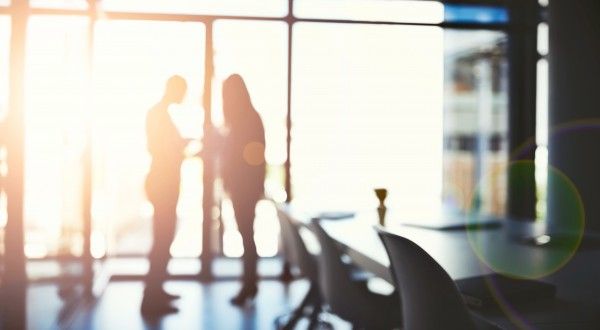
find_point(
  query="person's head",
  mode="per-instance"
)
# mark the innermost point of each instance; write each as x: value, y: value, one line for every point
x: 236, y: 100
x: 175, y: 89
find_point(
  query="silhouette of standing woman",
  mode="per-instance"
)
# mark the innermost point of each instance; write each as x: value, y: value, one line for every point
x: 243, y: 172
x: 166, y: 147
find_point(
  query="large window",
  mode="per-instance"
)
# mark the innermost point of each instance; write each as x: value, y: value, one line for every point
x: 4, y: 52
x: 264, y: 8
x: 367, y: 113
x: 132, y: 61
x: 4, y: 65
x: 67, y: 4
x: 381, y: 96
x: 372, y: 10
x: 258, y: 52
x: 374, y: 106
x: 475, y: 121
x: 542, y: 130
x: 55, y: 90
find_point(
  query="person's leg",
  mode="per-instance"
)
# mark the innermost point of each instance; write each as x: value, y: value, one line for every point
x: 163, y: 233
x: 156, y: 300
x: 244, y: 214
x: 163, y: 230
x: 153, y: 277
x: 163, y: 196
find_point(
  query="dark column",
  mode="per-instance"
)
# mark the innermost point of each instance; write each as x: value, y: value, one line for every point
x: 14, y: 242
x: 208, y: 176
x: 522, y: 53
x: 87, y: 259
x: 574, y: 71
x: 288, y: 176
x: 286, y: 273
x: 13, y: 306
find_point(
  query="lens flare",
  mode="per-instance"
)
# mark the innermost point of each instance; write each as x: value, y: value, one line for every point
x: 539, y: 249
x: 532, y: 250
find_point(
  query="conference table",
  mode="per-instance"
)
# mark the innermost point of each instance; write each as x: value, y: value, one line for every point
x: 574, y: 267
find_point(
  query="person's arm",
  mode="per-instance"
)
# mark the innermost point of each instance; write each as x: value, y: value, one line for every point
x: 181, y: 141
x: 212, y: 143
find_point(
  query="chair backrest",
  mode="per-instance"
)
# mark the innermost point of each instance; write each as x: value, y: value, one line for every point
x: 295, y: 249
x: 430, y: 299
x: 335, y: 278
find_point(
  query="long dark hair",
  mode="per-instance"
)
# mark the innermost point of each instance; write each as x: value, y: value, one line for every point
x: 237, y: 105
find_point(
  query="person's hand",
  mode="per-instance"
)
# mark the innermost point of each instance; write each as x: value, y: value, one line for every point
x: 212, y: 142
x: 193, y: 148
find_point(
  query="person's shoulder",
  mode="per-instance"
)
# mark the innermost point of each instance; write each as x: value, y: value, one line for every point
x: 260, y: 126
x: 154, y: 111
x: 257, y: 119
x: 155, y: 108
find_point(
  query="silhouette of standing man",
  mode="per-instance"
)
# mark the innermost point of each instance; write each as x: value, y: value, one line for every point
x: 166, y: 146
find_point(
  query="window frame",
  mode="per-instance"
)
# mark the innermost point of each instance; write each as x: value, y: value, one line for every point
x: 20, y: 11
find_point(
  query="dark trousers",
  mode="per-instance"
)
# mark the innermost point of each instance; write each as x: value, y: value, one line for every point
x: 244, y: 209
x: 163, y: 230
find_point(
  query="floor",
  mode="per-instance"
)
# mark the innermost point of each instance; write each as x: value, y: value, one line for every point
x: 201, y: 306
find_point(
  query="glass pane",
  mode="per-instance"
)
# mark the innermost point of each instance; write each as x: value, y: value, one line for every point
x: 264, y: 69
x: 543, y: 39
x: 475, y: 120
x: 367, y: 113
x: 266, y: 8
x: 5, y: 29
x: 541, y: 138
x: 132, y: 61
x: 371, y: 10
x: 542, y: 98
x: 475, y: 14
x: 62, y: 4
x: 55, y: 85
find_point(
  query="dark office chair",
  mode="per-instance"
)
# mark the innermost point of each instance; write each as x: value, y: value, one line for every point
x: 299, y: 257
x: 348, y: 298
x: 430, y: 298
